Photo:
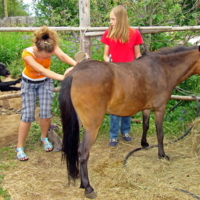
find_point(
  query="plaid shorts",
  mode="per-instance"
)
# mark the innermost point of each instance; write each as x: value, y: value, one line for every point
x: 29, y: 94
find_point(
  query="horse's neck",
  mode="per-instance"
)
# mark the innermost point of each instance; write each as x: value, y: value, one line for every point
x: 182, y: 69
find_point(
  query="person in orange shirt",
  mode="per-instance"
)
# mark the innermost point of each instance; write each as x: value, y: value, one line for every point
x: 37, y: 82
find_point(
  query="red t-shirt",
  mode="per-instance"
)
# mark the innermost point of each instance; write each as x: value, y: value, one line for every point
x: 123, y: 52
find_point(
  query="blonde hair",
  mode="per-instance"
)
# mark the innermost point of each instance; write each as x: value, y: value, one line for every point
x: 121, y: 29
x: 45, y: 39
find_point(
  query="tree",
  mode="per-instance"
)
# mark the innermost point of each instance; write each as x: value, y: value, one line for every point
x: 140, y: 12
x: 14, y: 8
x: 164, y: 13
x: 57, y: 13
x: 5, y: 8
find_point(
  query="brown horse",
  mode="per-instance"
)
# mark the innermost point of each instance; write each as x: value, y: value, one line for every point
x: 95, y: 88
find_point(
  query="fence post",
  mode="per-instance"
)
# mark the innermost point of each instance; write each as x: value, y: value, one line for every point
x: 84, y: 21
x: 5, y: 8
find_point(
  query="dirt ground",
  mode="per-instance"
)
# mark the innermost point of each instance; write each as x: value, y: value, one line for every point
x: 144, y: 177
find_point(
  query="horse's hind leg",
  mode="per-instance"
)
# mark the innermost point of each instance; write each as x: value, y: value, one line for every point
x: 84, y: 151
x: 145, y: 125
x: 159, y: 117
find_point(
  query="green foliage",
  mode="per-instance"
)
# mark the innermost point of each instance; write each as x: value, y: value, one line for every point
x: 192, y: 84
x: 4, y: 193
x: 12, y: 44
x: 14, y: 8
x: 5, y: 153
x: 55, y: 105
x: 35, y: 134
x: 189, y: 7
x: 57, y: 13
x: 100, y: 10
x: 141, y: 13
x: 16, y: 67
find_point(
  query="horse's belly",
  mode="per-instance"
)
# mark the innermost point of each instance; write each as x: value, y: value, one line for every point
x: 127, y: 109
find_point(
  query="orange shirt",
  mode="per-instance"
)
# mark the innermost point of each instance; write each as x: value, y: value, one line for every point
x: 28, y: 71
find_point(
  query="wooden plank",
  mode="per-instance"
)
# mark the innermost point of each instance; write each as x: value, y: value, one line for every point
x: 84, y: 21
x: 17, y: 95
x: 87, y: 29
x: 57, y: 89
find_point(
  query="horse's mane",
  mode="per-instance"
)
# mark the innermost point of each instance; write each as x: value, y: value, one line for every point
x: 171, y: 50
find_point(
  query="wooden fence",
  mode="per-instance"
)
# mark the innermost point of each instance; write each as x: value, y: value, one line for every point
x: 17, y: 21
x: 87, y: 32
x: 57, y: 89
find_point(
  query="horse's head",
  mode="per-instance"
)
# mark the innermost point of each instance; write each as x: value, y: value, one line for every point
x: 3, y: 70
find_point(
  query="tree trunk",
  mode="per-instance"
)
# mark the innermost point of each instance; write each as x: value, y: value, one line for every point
x: 5, y: 8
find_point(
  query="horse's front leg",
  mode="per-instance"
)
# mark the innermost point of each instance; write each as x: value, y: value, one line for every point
x: 84, y: 151
x: 145, y: 125
x: 159, y: 117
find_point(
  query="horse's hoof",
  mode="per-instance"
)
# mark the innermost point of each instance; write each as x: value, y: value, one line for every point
x: 91, y: 195
x: 164, y: 156
x: 145, y: 144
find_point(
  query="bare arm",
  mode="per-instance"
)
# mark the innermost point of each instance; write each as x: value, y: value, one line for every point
x: 41, y: 70
x: 64, y: 57
x: 106, y: 53
x: 137, y: 51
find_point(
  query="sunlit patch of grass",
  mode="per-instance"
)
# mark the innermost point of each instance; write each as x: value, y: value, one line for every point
x: 6, y: 153
x: 3, y: 193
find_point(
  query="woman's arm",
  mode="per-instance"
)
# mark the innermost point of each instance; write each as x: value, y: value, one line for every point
x: 64, y: 57
x: 106, y: 53
x: 137, y: 51
x: 41, y: 70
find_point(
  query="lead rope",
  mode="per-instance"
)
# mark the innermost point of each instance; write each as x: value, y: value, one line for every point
x: 186, y: 133
x: 82, y: 35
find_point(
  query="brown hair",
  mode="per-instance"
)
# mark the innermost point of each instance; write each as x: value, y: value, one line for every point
x: 45, y: 39
x: 121, y: 29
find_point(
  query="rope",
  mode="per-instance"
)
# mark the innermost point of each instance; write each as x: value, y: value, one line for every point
x: 82, y: 34
x: 191, y: 194
x: 186, y: 92
x: 137, y: 149
x: 140, y: 148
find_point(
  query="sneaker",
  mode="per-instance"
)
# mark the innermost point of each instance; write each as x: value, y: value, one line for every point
x: 113, y: 143
x: 126, y: 137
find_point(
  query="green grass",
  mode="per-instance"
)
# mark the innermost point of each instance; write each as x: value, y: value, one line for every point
x: 6, y: 153
x: 4, y: 193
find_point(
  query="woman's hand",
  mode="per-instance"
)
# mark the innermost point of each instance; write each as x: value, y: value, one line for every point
x: 68, y: 70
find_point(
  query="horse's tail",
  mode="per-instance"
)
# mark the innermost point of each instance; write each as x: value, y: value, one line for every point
x: 70, y: 127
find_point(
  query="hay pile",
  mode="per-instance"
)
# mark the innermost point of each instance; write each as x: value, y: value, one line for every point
x: 145, y: 177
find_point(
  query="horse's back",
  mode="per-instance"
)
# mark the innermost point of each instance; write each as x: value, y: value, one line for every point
x: 114, y: 87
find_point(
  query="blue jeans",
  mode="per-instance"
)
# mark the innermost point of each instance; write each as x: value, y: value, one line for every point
x: 115, y: 125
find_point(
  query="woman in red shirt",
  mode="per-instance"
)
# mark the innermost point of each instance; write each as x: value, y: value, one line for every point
x: 122, y: 44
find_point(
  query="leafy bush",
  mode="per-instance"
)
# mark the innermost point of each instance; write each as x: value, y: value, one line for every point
x: 14, y: 43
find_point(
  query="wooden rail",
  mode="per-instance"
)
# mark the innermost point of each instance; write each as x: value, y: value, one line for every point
x: 95, y: 31
x: 57, y: 89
